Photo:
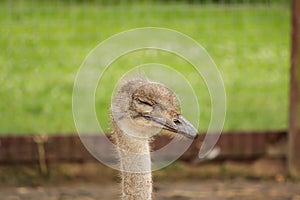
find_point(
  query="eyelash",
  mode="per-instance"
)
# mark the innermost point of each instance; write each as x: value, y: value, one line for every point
x: 145, y: 102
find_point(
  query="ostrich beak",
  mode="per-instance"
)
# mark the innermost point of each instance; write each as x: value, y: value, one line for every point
x: 184, y: 127
x: 179, y: 125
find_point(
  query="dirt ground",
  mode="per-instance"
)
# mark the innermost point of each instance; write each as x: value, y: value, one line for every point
x: 208, y: 189
x: 256, y: 180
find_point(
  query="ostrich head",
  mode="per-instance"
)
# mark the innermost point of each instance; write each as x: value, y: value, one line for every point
x: 143, y: 108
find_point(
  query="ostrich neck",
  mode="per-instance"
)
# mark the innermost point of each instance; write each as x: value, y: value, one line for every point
x: 135, y: 163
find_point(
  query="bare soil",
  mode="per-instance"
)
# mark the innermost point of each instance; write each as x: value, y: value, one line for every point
x: 183, y: 190
x: 255, y: 180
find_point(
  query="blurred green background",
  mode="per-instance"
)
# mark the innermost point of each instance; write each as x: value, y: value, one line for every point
x: 43, y: 44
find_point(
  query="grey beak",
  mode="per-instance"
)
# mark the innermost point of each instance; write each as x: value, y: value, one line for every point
x: 185, y: 127
x: 179, y: 125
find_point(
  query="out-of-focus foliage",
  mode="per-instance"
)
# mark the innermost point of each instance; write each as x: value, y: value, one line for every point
x: 43, y: 44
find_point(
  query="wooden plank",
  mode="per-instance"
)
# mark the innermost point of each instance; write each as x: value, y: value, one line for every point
x: 51, y: 149
x: 294, y: 122
x: 78, y: 150
x: 25, y: 152
x: 225, y: 145
x: 3, y: 148
x: 69, y: 148
x: 249, y: 144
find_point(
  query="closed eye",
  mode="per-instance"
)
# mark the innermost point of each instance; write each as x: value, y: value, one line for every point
x: 142, y: 106
x: 144, y: 102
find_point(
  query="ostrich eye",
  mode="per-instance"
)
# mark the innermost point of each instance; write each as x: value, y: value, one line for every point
x: 143, y: 106
x: 144, y: 102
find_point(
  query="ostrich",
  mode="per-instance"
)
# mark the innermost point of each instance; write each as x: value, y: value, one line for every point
x: 140, y: 109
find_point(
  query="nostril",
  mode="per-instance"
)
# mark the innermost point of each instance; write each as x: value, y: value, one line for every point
x: 176, y: 121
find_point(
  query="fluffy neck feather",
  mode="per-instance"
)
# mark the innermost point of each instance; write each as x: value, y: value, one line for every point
x: 135, y: 161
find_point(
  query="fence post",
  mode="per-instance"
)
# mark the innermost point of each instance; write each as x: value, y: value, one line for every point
x: 294, y: 121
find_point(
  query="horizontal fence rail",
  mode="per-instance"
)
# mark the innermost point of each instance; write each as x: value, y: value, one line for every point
x: 68, y: 148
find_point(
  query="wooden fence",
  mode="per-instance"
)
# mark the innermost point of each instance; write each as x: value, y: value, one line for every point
x: 68, y: 148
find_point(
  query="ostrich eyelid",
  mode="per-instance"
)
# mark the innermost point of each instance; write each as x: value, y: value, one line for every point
x: 145, y: 102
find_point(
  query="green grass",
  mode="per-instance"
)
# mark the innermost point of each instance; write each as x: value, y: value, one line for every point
x: 43, y: 43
